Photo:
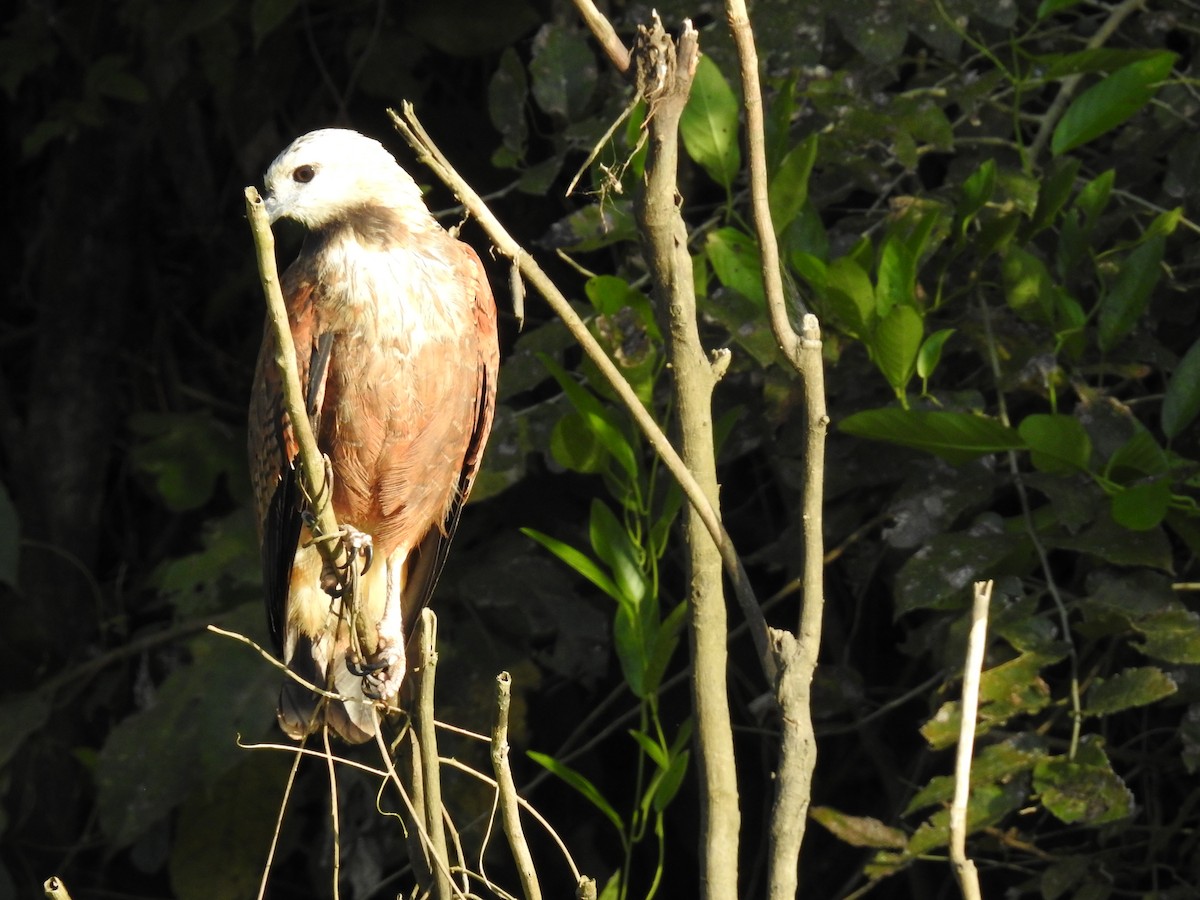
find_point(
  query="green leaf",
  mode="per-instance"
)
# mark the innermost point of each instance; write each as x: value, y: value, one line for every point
x: 1058, y: 444
x: 1010, y: 689
x: 578, y: 561
x: 941, y: 574
x: 1028, y: 287
x: 1112, y: 101
x: 575, y: 447
x: 1086, y: 790
x: 986, y: 806
x: 895, y: 343
x: 995, y: 763
x: 954, y: 436
x: 735, y: 259
x: 1181, y: 404
x: 1093, y: 197
x: 850, y: 295
x: 563, y: 70
x: 931, y: 352
x: 610, y: 295
x: 1049, y: 7
x: 1053, y: 194
x: 1129, y: 689
x: 1142, y: 506
x: 789, y: 188
x: 1138, y: 456
x: 897, y: 275
x: 667, y: 784
x: 658, y: 754
x: 1126, y: 300
x: 1172, y: 636
x: 611, y: 542
x: 599, y: 418
x: 709, y: 124
x: 977, y: 190
x: 858, y: 831
x: 580, y: 783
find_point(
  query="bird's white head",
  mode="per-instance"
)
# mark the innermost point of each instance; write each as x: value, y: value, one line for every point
x: 325, y: 174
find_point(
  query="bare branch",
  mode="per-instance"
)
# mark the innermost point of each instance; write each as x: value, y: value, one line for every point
x: 781, y: 325
x: 603, y: 31
x: 964, y: 868
x: 309, y: 465
x: 425, y: 639
x: 55, y: 889
x: 510, y: 814
x: 665, y: 71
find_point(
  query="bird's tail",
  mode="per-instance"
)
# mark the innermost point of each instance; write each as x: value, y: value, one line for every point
x: 301, y: 711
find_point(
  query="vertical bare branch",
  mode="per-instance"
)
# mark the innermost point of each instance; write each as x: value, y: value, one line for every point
x: 795, y: 657
x: 743, y: 37
x: 425, y: 640
x: 665, y: 74
x: 55, y: 889
x: 510, y: 812
x: 964, y: 868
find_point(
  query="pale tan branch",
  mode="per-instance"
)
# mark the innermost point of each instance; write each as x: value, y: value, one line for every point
x: 964, y: 868
x: 781, y: 325
x: 510, y: 814
x: 665, y: 71
x: 310, y: 465
x: 55, y: 889
x: 612, y: 45
x: 425, y: 640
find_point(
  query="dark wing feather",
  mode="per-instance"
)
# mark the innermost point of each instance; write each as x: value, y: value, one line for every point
x: 273, y: 449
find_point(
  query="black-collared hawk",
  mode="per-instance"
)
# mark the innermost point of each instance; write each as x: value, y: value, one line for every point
x: 395, y: 332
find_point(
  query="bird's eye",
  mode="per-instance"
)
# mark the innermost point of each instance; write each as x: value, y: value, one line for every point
x: 303, y: 174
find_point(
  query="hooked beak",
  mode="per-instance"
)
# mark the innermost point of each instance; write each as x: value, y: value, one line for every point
x: 274, y: 208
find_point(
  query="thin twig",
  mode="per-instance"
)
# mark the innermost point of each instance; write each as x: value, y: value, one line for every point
x: 612, y: 45
x: 510, y: 815
x: 524, y: 804
x: 964, y: 868
x: 55, y: 889
x: 335, y: 821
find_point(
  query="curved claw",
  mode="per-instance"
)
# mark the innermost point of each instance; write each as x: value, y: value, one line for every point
x: 368, y: 553
x: 362, y: 669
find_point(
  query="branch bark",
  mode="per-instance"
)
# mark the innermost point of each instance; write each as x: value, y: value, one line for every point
x: 510, y: 811
x: 425, y: 638
x: 665, y: 72
x: 964, y: 868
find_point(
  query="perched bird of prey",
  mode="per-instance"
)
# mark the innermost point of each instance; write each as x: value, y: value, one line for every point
x: 395, y: 331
